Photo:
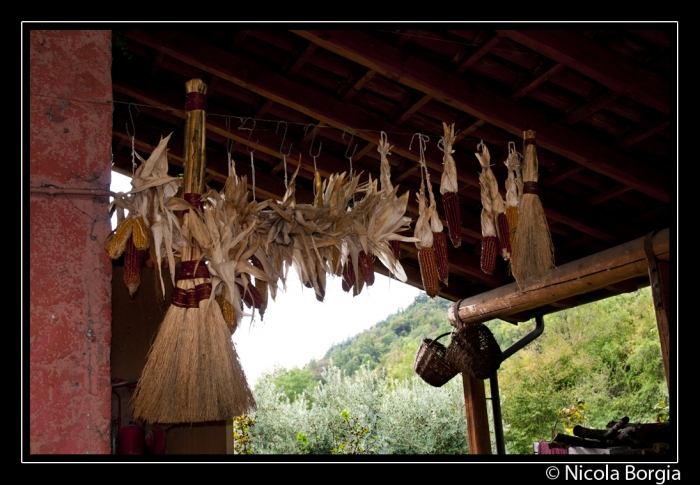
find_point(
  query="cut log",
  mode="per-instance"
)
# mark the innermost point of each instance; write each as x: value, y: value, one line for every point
x: 596, y: 434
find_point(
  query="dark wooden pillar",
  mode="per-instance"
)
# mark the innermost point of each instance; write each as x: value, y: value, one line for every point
x: 477, y: 416
x: 659, y: 282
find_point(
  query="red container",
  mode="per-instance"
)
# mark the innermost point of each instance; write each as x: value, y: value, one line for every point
x: 155, y: 440
x: 131, y: 440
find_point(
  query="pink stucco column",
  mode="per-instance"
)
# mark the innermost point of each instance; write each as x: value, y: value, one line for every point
x: 70, y: 115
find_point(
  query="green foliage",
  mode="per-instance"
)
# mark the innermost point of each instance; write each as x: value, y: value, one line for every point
x: 351, y: 436
x: 364, y: 395
x: 294, y: 382
x: 243, y: 434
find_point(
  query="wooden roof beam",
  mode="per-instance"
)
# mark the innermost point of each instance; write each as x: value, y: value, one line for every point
x: 418, y: 74
x: 604, y: 66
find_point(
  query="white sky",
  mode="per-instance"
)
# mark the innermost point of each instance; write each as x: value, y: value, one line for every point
x: 296, y: 327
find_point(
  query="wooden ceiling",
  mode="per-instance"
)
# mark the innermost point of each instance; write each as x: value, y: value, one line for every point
x: 599, y: 100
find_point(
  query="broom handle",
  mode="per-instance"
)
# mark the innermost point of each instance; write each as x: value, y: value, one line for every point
x: 195, y: 160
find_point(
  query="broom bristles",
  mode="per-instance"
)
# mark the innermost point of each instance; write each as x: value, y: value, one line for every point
x: 192, y: 372
x: 533, y: 251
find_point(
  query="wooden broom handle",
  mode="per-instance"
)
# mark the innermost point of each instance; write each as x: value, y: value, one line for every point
x: 195, y: 160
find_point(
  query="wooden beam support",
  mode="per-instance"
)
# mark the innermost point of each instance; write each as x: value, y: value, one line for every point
x: 659, y: 280
x: 410, y: 111
x: 589, y: 108
x: 477, y: 416
x: 536, y: 82
x: 605, y: 66
x: 481, y: 52
x: 301, y: 60
x: 358, y: 85
x: 507, y: 115
x: 575, y: 278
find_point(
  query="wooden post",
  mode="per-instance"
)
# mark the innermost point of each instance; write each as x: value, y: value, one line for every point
x: 477, y: 416
x: 659, y: 282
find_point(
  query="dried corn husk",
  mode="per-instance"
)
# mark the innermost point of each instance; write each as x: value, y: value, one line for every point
x: 448, y: 186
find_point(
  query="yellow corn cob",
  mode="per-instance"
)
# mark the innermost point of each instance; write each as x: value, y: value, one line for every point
x: 429, y: 271
x: 118, y: 241
x: 512, y: 216
x: 261, y: 286
x: 139, y: 234
x: 133, y: 259
x: 489, y: 253
x: 440, y: 247
x: 227, y: 309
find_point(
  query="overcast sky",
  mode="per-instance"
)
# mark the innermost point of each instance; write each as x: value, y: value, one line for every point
x: 297, y: 328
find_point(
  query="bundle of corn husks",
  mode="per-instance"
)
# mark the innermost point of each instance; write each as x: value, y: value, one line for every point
x: 514, y: 188
x: 494, y: 224
x: 151, y: 225
x: 448, y: 186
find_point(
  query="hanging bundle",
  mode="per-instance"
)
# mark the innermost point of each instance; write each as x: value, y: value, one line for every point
x: 192, y: 372
x: 448, y: 186
x: 489, y: 238
x: 498, y: 209
x: 384, y: 149
x: 439, y: 237
x: 424, y: 233
x: 514, y: 188
x: 533, y: 251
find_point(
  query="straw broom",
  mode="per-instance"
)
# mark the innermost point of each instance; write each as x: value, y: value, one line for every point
x: 192, y: 373
x: 533, y: 251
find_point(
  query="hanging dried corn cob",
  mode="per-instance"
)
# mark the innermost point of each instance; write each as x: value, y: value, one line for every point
x: 503, y: 246
x: 439, y: 238
x: 133, y: 260
x: 514, y: 188
x: 424, y: 233
x: 384, y: 149
x: 533, y: 251
x: 489, y: 250
x: 448, y: 186
x: 227, y: 309
x: 261, y: 286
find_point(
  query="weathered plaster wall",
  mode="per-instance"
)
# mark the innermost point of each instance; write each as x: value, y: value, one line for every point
x: 70, y: 273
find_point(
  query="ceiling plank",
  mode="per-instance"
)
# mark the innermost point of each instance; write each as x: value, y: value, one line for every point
x: 605, y: 66
x: 449, y: 89
x: 537, y: 81
x: 481, y: 52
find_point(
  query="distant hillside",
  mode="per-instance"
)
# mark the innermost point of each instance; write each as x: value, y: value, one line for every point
x: 391, y: 343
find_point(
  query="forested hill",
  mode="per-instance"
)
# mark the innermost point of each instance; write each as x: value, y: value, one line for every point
x: 393, y: 342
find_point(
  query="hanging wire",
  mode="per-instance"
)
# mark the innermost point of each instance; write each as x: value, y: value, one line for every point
x: 422, y: 141
x: 229, y: 146
x: 320, y: 144
x: 284, y: 155
x: 133, y: 136
x: 252, y: 164
x: 352, y: 137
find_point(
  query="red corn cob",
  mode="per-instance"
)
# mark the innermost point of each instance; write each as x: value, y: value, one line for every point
x: 440, y: 247
x: 488, y: 254
x: 395, y: 247
x: 428, y: 271
x: 450, y: 201
x: 504, y: 236
x: 133, y: 259
x: 365, y: 260
x: 251, y: 296
x: 348, y: 275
